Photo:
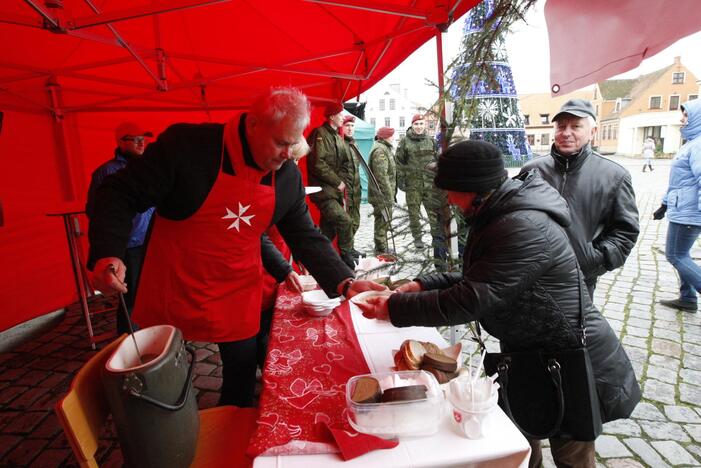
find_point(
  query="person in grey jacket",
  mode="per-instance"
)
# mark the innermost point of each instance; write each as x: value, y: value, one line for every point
x: 519, y: 281
x: 599, y: 193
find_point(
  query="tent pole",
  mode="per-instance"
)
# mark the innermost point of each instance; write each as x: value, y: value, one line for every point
x: 444, y: 214
x: 47, y: 17
x: 64, y: 161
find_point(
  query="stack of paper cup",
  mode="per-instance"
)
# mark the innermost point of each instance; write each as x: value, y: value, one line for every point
x: 318, y: 304
x: 471, y: 401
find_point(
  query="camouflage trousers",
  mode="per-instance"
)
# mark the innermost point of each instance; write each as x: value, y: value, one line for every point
x: 416, y: 195
x: 353, y: 209
x: 335, y: 222
x: 382, y: 225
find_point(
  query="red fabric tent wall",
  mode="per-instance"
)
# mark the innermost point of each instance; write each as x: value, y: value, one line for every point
x: 63, y: 93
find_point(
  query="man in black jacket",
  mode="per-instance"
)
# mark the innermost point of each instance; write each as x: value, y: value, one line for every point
x: 519, y: 280
x: 216, y: 188
x: 598, y: 191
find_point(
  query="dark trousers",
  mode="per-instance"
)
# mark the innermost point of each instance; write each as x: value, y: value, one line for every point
x: 566, y: 454
x: 133, y: 259
x: 239, y: 362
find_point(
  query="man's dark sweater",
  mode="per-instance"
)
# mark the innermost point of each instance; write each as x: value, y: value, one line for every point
x: 177, y: 173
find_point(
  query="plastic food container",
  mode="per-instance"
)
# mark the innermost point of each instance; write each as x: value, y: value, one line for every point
x: 397, y: 418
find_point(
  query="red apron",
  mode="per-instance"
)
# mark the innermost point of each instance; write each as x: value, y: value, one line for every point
x: 204, y: 274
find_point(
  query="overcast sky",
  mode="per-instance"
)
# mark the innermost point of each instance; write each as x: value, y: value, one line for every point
x: 529, y: 56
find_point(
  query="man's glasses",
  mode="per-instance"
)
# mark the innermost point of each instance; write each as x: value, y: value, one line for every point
x: 137, y: 139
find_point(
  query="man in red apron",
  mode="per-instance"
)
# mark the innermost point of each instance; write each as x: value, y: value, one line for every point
x: 216, y: 189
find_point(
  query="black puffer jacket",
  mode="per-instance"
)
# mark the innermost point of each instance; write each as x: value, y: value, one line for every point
x: 520, y: 282
x: 600, y: 195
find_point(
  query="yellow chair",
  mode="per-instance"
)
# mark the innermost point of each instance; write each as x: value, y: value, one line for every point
x: 224, y: 431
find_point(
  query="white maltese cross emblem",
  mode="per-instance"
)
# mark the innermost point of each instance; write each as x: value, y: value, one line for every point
x: 238, y: 217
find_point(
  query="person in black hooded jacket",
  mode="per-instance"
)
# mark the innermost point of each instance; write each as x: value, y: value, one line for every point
x: 519, y: 281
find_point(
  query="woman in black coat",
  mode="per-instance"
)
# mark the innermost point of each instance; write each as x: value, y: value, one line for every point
x: 519, y: 280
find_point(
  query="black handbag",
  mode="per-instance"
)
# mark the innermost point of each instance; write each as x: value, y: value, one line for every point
x: 548, y: 393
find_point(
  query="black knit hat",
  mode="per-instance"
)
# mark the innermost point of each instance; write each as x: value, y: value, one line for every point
x: 470, y: 166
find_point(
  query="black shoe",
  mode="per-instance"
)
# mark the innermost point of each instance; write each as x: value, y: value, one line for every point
x: 679, y: 304
x: 419, y: 245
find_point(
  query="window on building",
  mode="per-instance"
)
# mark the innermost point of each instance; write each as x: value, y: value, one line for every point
x: 655, y: 102
x: 545, y: 139
x: 432, y: 124
x: 674, y: 102
x: 526, y: 119
x: 372, y: 121
x: 692, y: 97
x: 387, y: 122
x: 392, y: 104
x: 531, y: 140
x: 618, y: 106
x: 545, y: 118
x: 678, y: 78
x: 614, y: 134
x: 402, y: 122
x: 382, y: 104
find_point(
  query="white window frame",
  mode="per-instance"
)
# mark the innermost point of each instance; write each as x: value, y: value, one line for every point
x: 689, y: 98
x: 683, y: 74
x: 649, y: 102
x: 388, y: 121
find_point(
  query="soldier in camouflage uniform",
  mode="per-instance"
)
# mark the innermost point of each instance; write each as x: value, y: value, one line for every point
x: 352, y: 180
x: 328, y: 161
x: 415, y: 152
x: 384, y: 169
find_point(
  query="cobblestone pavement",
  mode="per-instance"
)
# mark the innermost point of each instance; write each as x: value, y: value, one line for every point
x: 663, y: 344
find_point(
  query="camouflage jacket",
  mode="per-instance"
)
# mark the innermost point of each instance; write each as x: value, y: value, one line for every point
x: 384, y: 169
x: 327, y: 162
x: 413, y: 154
x: 352, y: 177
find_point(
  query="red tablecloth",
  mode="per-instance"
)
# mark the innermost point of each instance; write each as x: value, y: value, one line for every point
x: 309, y: 362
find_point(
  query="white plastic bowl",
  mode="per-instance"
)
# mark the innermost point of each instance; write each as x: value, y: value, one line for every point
x: 308, y: 282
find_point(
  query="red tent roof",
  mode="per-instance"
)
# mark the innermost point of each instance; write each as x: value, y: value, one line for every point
x: 205, y: 53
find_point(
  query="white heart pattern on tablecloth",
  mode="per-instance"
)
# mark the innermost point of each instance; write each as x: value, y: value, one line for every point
x: 331, y: 356
x: 321, y: 417
x: 322, y: 369
x: 285, y: 338
x: 269, y: 419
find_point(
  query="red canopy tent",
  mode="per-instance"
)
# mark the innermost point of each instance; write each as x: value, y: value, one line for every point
x: 71, y: 70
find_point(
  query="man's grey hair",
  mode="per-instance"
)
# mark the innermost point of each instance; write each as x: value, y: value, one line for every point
x: 282, y: 103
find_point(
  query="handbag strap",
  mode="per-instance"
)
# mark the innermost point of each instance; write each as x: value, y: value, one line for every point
x: 555, y: 376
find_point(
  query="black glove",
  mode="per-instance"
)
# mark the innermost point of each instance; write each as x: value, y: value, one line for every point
x: 659, y: 212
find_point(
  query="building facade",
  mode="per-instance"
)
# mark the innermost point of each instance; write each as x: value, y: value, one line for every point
x: 389, y: 106
x: 628, y: 111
